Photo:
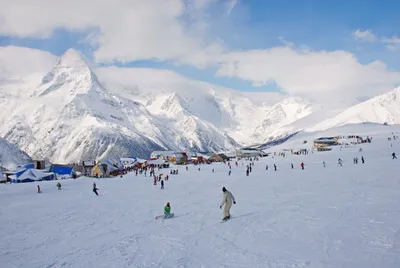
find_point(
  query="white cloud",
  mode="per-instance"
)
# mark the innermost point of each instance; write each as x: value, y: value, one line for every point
x: 366, y: 35
x: 284, y: 41
x: 231, y: 5
x: 20, y: 62
x: 311, y: 73
x: 392, y: 43
x: 122, y: 30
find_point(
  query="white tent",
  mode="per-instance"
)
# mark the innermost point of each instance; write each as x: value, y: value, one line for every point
x: 141, y: 161
x: 31, y: 175
x: 156, y: 162
x: 128, y: 161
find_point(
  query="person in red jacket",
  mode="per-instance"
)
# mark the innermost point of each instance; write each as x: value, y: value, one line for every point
x: 302, y: 165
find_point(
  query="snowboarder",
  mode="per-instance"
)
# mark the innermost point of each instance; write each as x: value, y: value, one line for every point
x: 167, y: 211
x: 59, y: 186
x: 162, y: 184
x: 362, y: 159
x: 38, y: 189
x: 227, y: 199
x: 95, y: 188
x: 394, y: 156
x: 302, y: 165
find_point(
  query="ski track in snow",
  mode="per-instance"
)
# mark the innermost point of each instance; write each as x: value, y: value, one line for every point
x: 321, y: 217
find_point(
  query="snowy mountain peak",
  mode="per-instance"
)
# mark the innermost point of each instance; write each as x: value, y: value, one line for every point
x: 72, y: 59
x: 70, y: 76
x: 294, y: 101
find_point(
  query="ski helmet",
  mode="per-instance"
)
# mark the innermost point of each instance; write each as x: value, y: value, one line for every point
x: 168, y: 203
x: 223, y: 189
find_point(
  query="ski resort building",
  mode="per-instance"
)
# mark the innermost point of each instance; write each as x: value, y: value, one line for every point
x: 326, y: 141
x: 107, y: 168
x: 215, y: 158
x: 248, y: 153
x: 178, y: 158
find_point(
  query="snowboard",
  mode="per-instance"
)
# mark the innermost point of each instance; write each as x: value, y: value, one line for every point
x: 163, y: 216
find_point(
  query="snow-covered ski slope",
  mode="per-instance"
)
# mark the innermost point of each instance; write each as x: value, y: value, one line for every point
x: 321, y: 217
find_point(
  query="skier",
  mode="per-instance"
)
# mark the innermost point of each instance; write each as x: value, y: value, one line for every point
x: 213, y: 170
x: 162, y: 184
x: 266, y: 167
x: 247, y: 172
x: 95, y: 189
x: 167, y: 211
x: 59, y: 186
x: 362, y: 159
x: 340, y: 162
x: 227, y: 199
x: 302, y: 165
x: 275, y: 167
x: 230, y: 171
x: 38, y: 189
x: 292, y: 165
x: 394, y: 156
x: 155, y: 180
x: 323, y: 163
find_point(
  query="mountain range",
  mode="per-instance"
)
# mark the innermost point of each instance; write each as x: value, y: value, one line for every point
x: 76, y: 112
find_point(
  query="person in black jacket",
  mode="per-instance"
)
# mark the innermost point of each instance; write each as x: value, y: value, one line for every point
x: 95, y: 189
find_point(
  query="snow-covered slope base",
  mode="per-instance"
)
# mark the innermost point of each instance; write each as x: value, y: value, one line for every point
x: 320, y: 217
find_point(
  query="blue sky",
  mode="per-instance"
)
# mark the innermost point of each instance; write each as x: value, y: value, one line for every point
x: 258, y: 24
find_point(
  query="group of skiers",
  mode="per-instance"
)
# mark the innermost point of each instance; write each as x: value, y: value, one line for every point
x: 355, y: 160
x: 39, y: 190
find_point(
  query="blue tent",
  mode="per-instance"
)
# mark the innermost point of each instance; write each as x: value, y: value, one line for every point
x: 62, y: 170
x: 31, y: 175
x: 30, y: 165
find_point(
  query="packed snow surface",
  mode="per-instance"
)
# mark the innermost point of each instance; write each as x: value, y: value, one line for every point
x: 318, y: 217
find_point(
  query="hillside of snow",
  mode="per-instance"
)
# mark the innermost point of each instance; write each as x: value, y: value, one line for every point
x: 70, y: 116
x: 11, y: 156
x: 318, y: 217
x: 381, y: 109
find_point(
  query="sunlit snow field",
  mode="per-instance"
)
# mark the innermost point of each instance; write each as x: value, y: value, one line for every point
x: 321, y: 217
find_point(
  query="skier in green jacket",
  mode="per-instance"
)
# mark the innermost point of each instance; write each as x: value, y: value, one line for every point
x: 167, y: 210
